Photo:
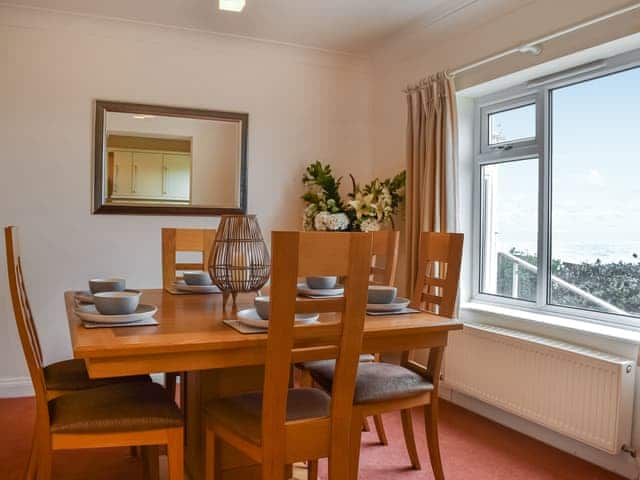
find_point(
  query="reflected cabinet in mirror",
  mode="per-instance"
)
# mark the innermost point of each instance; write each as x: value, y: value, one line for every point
x: 168, y: 160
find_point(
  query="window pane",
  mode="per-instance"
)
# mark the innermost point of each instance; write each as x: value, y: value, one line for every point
x: 595, y: 207
x: 512, y: 125
x: 509, y: 245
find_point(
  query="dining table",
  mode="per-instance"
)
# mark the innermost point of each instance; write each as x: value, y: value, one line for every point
x: 219, y: 361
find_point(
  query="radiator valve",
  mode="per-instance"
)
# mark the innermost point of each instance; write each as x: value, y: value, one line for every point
x: 631, y: 451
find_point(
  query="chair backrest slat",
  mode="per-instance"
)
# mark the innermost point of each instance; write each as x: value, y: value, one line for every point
x: 24, y: 319
x: 302, y: 254
x: 385, y: 245
x: 198, y: 240
x: 440, y: 258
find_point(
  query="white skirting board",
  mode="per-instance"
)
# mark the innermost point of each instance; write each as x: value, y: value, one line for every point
x: 14, y: 387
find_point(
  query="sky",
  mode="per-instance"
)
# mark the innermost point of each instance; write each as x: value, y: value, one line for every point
x: 596, y: 173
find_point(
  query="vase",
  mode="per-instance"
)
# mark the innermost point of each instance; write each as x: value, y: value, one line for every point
x: 239, y: 261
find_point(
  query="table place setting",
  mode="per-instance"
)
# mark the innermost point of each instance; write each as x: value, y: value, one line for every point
x: 382, y: 300
x: 256, y: 320
x: 109, y: 304
x: 320, y: 287
x: 194, y: 283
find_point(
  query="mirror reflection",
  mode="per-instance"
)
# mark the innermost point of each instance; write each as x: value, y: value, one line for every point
x: 155, y: 160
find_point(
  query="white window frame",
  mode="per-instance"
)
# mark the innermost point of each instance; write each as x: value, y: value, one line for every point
x: 539, y: 147
x: 492, y: 108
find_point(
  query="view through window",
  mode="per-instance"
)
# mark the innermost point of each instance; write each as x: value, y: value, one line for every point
x: 595, y: 222
x: 592, y: 174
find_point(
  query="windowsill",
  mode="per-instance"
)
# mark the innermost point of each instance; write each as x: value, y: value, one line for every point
x: 611, y: 332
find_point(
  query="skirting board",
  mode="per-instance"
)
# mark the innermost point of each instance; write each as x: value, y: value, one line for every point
x: 14, y: 387
x: 622, y: 464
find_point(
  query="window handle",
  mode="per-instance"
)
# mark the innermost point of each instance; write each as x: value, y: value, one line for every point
x: 503, y: 147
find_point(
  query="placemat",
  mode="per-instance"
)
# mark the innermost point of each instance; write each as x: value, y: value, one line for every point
x: 140, y: 323
x: 397, y: 312
x: 319, y: 297
x: 242, y: 328
x: 174, y: 291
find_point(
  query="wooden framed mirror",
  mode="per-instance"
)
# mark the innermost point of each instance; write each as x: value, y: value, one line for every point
x: 152, y: 159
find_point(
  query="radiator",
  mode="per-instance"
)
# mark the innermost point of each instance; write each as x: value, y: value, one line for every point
x: 578, y: 392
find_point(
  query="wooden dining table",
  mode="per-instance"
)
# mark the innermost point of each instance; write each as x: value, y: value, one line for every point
x: 220, y: 361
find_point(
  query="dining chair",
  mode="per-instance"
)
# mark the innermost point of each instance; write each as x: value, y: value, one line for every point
x: 385, y: 247
x: 67, y: 375
x: 283, y: 425
x: 105, y: 414
x: 184, y: 240
x: 384, y: 262
x: 385, y: 387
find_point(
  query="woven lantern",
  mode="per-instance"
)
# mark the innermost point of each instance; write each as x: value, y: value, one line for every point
x: 240, y: 260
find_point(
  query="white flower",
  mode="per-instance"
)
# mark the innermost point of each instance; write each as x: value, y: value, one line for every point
x: 337, y: 221
x: 320, y: 222
x: 370, y: 225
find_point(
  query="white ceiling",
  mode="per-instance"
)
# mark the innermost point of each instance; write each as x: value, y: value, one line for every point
x: 353, y: 26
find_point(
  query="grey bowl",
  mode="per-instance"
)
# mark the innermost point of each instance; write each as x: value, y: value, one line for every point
x: 322, y: 283
x: 98, y: 285
x: 262, y: 304
x: 381, y: 294
x: 116, y: 303
x: 197, y: 278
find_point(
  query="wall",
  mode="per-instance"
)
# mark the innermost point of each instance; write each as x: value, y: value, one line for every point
x: 304, y: 105
x: 466, y: 36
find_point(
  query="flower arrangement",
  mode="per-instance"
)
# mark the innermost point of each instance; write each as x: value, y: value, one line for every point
x: 369, y: 209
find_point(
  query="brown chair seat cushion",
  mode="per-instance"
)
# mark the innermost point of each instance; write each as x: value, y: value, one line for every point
x: 122, y: 407
x: 242, y: 414
x: 365, y: 357
x: 72, y: 375
x: 376, y: 381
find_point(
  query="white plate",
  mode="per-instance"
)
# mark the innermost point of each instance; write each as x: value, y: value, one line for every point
x: 250, y: 317
x: 398, y: 304
x: 183, y: 287
x: 90, y: 314
x: 85, y: 296
x: 303, y: 289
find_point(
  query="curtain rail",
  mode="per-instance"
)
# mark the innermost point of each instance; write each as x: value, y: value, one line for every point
x: 533, y: 46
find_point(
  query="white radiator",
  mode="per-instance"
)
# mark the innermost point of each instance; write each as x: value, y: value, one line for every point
x: 581, y: 393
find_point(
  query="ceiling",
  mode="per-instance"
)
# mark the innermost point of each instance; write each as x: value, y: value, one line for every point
x: 351, y: 26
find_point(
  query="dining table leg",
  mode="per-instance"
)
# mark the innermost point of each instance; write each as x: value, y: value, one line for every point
x: 202, y: 387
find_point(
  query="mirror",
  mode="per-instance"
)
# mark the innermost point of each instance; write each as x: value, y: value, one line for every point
x: 168, y: 160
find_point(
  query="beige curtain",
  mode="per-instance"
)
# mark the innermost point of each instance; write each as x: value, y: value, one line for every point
x: 432, y: 151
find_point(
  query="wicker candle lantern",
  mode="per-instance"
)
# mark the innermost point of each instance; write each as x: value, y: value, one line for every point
x: 240, y: 260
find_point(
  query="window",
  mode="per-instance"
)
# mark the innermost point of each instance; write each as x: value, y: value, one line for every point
x: 558, y: 185
x: 512, y: 125
x: 510, y: 228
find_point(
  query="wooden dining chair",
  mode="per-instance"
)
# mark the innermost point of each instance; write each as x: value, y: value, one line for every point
x: 282, y: 425
x: 67, y: 375
x: 133, y: 413
x: 384, y: 262
x: 385, y: 248
x: 385, y: 387
x: 193, y: 240
x: 184, y: 240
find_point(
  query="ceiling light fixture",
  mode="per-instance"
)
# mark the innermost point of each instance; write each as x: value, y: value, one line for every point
x: 231, y: 5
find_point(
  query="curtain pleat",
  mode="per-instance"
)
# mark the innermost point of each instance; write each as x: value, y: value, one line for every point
x: 432, y: 134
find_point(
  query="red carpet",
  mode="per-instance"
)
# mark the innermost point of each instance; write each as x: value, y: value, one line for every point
x: 473, y: 448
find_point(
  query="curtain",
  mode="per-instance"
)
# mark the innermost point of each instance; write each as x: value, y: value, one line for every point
x: 432, y: 164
